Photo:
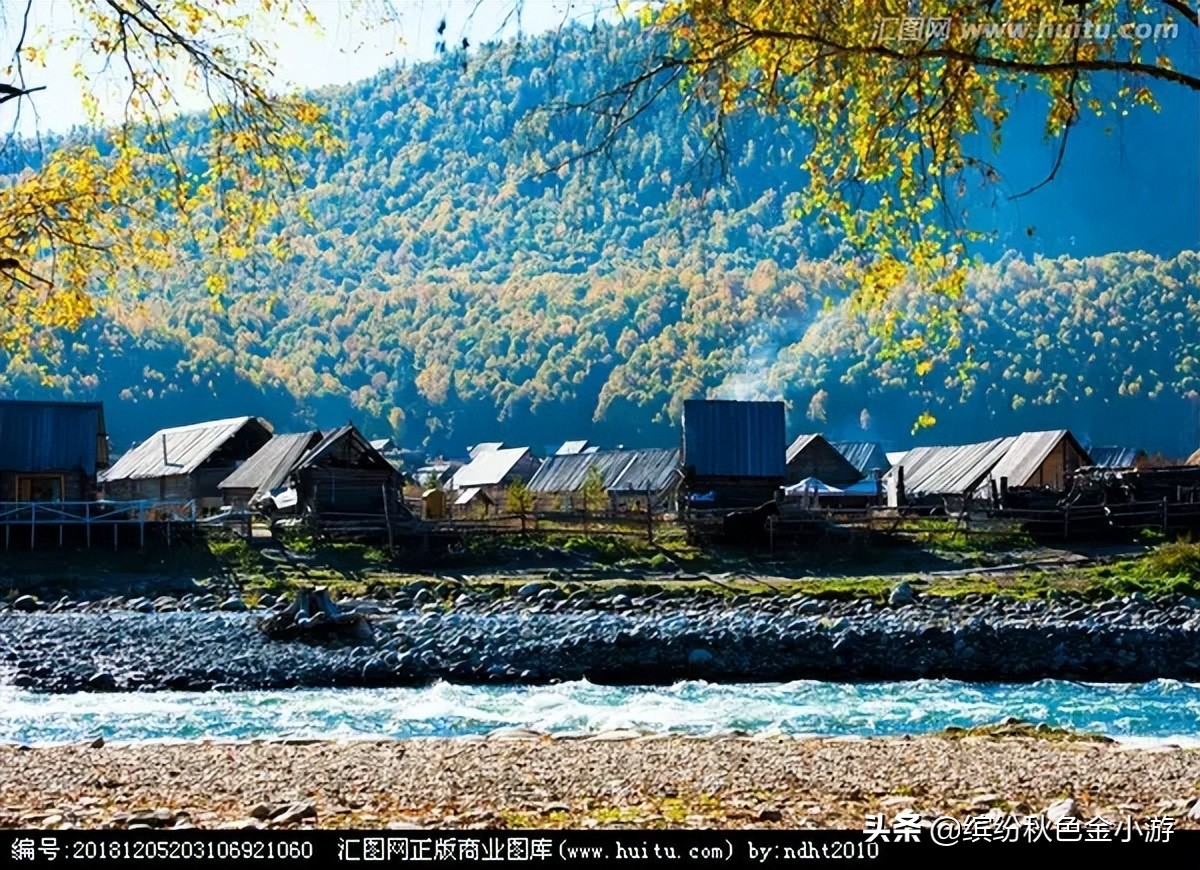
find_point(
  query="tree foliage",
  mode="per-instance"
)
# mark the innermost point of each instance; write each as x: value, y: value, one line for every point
x: 901, y: 111
x: 443, y: 272
x: 519, y: 500
x: 592, y: 492
x: 116, y: 203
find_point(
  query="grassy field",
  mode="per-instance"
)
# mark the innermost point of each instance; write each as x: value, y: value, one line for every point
x: 934, y: 556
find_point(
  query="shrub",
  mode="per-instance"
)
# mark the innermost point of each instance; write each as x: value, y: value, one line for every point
x: 1177, y: 559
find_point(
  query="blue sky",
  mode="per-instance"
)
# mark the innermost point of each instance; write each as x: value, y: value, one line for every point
x: 344, y: 52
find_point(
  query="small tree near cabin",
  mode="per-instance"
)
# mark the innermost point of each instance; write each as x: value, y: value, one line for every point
x: 519, y: 500
x: 592, y: 493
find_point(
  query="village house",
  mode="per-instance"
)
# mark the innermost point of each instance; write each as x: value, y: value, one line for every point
x: 734, y: 453
x: 867, y: 456
x: 488, y: 475
x: 51, y: 451
x: 984, y: 470
x: 186, y: 462
x: 268, y: 469
x: 811, y: 456
x: 629, y: 479
x: 344, y: 479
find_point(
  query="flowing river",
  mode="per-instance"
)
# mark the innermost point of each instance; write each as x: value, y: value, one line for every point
x: 1162, y: 711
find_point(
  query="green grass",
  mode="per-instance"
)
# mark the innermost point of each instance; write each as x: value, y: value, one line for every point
x: 1018, y: 728
x: 1176, y: 560
x: 942, y: 534
x: 501, y: 564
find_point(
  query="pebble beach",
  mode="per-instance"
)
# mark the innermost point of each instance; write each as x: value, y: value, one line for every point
x: 525, y: 780
x: 543, y: 635
x: 520, y: 779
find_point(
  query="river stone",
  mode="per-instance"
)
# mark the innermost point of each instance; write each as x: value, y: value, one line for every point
x: 26, y: 604
x: 529, y: 590
x: 233, y: 604
x: 902, y: 594
x: 1059, y: 810
x: 699, y: 657
x: 102, y: 682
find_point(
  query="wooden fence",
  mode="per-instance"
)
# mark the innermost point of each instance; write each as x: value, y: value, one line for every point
x: 93, y: 518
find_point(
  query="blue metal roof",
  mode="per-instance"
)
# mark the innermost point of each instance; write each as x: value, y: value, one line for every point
x: 724, y: 438
x: 52, y: 436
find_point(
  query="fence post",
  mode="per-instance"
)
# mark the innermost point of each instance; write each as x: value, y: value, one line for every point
x: 1164, y: 513
x: 1067, y: 522
x: 387, y: 518
x: 32, y: 525
x: 649, y: 519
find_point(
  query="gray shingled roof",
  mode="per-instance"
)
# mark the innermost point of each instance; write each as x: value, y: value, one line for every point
x: 966, y: 468
x: 1115, y: 457
x: 798, y: 445
x: 950, y: 470
x: 1027, y: 452
x: 269, y: 467
x: 637, y: 470
x: 179, y: 450
x: 330, y: 440
x: 866, y: 456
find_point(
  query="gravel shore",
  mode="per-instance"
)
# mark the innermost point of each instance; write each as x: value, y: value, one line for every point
x: 543, y: 634
x: 524, y: 780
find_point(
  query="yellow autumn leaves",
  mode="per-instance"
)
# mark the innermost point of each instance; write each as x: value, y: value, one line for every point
x: 121, y: 201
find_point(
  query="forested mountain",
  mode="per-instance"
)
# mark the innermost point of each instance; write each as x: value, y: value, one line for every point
x: 455, y: 283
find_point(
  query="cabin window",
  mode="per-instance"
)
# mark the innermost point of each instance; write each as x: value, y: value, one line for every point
x: 39, y: 487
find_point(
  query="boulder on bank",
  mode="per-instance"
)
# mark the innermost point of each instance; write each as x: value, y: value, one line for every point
x: 314, y: 615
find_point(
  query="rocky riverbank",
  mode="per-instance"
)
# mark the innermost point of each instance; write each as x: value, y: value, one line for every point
x: 529, y: 781
x: 543, y: 634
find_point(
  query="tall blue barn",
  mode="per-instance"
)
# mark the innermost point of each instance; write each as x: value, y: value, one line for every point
x: 734, y: 453
x: 51, y: 451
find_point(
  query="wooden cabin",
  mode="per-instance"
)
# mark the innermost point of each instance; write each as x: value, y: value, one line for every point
x: 811, y: 456
x: 981, y: 471
x: 734, y: 453
x: 344, y: 478
x: 268, y: 469
x: 629, y: 478
x: 51, y: 451
x: 186, y: 462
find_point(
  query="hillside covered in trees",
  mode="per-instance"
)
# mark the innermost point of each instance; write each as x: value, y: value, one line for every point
x: 454, y: 275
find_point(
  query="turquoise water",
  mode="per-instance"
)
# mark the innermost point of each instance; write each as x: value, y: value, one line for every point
x: 1161, y: 711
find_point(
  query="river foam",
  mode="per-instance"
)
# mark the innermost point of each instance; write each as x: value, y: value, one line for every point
x: 1158, y: 712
